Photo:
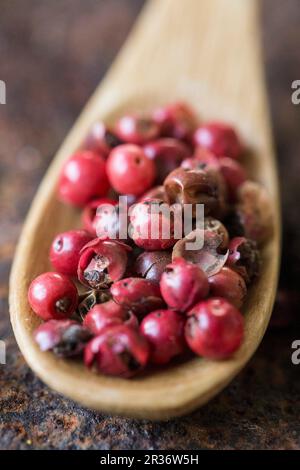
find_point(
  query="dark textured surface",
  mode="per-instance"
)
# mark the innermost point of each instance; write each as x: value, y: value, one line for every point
x: 52, y: 55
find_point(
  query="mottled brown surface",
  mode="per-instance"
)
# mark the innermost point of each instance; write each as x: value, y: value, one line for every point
x: 52, y: 55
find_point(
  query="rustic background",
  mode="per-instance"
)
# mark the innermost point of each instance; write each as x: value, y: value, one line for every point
x: 52, y: 55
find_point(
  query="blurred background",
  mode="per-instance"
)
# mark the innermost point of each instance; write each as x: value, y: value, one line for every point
x: 52, y: 56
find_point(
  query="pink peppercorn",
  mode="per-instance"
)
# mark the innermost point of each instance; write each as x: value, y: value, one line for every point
x: 108, y: 314
x: 101, y: 139
x: 176, y: 120
x: 65, y: 251
x: 183, y: 284
x: 102, y: 262
x: 83, y: 177
x: 66, y: 338
x: 129, y: 170
x: 119, y: 350
x: 137, y: 294
x: 230, y: 285
x: 219, y: 138
x: 152, y: 228
x: 135, y: 129
x: 234, y: 176
x: 53, y: 296
x: 244, y: 258
x: 214, y: 328
x: 167, y: 155
x: 164, y: 331
x: 89, y: 214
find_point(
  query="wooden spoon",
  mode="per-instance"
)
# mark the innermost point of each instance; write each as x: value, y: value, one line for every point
x: 208, y: 53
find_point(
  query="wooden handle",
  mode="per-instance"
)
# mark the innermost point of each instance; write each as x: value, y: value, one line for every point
x: 194, y: 46
x: 181, y: 36
x: 204, y: 51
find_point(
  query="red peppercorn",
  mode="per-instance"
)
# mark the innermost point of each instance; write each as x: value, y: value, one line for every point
x: 119, y: 350
x: 176, y: 120
x: 102, y: 262
x: 111, y: 222
x: 219, y: 138
x: 108, y: 314
x: 151, y: 227
x: 167, y: 155
x: 65, y: 250
x: 89, y: 214
x: 215, y: 234
x: 254, y: 211
x: 137, y: 294
x: 210, y: 256
x: 129, y: 170
x: 158, y: 192
x: 230, y: 285
x: 244, y: 258
x: 206, y: 156
x: 164, y: 330
x: 183, y: 284
x: 66, y: 338
x: 52, y: 296
x: 151, y: 264
x: 101, y: 139
x: 197, y: 186
x: 234, y: 175
x: 83, y: 177
x: 135, y: 129
x: 201, y: 159
x: 214, y: 328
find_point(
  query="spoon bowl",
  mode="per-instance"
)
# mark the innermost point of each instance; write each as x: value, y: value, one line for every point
x: 208, y: 54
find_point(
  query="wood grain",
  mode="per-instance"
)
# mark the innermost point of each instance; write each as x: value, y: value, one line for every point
x: 207, y: 53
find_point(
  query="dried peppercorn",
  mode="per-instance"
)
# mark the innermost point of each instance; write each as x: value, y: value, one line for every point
x: 244, y: 258
x: 214, y: 328
x: 137, y: 294
x: 163, y: 330
x: 53, y: 296
x: 66, y: 338
x: 102, y: 262
x: 228, y: 284
x: 183, y: 284
x: 83, y: 178
x: 220, y: 138
x: 129, y: 170
x: 107, y: 314
x: 65, y: 250
x: 119, y: 350
x: 152, y: 264
x: 197, y: 186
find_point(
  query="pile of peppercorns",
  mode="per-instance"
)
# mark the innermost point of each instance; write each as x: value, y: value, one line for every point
x: 125, y: 303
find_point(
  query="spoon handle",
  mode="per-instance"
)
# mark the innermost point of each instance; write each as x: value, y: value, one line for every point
x: 195, y: 46
x: 204, y: 51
